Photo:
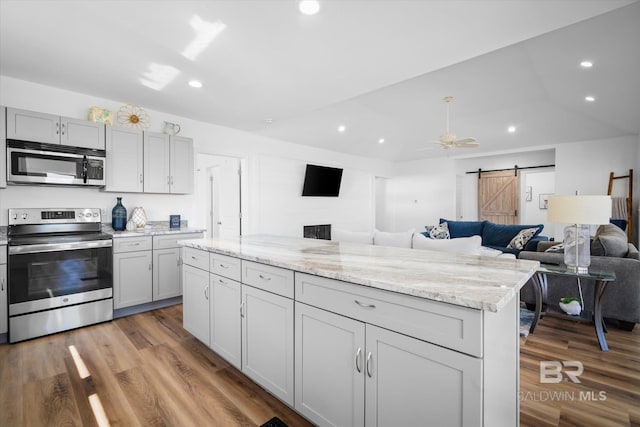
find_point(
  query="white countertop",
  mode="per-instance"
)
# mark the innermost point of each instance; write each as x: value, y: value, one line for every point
x: 471, y: 281
x: 150, y: 231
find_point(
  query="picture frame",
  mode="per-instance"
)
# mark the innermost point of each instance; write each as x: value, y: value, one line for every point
x: 544, y: 201
x: 528, y: 194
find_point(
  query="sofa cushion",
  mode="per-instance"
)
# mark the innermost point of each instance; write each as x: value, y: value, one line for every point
x: 611, y: 241
x: 522, y: 238
x: 463, y: 245
x: 399, y: 240
x: 440, y: 231
x: 464, y: 228
x: 501, y: 234
x: 352, y: 236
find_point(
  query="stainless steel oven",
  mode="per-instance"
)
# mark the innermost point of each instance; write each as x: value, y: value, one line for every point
x: 59, y: 270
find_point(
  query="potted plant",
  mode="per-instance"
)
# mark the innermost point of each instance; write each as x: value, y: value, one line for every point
x: 571, y: 306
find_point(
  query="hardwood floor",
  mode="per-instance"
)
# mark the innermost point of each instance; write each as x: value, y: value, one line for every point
x: 147, y: 370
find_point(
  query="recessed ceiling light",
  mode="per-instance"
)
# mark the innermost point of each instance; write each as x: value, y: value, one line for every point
x: 381, y: 141
x: 342, y: 128
x: 195, y: 83
x: 511, y: 129
x: 309, y: 7
x: 586, y: 64
x: 589, y: 98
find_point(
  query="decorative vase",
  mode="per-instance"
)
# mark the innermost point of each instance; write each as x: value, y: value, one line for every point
x: 573, y: 308
x: 119, y: 216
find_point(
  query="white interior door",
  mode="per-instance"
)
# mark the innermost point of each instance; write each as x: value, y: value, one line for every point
x: 218, y: 193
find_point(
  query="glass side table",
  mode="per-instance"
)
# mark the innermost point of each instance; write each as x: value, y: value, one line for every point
x: 601, y: 278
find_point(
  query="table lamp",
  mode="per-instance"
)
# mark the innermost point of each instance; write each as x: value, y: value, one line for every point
x: 580, y: 211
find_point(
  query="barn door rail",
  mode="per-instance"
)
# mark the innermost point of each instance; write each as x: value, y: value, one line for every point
x: 515, y: 169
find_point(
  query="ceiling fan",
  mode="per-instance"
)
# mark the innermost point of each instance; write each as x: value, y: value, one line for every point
x: 448, y: 139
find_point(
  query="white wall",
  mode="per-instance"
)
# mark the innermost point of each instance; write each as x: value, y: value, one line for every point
x: 585, y: 167
x: 540, y: 183
x: 208, y: 138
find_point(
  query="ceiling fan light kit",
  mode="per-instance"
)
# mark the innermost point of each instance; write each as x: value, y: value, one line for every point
x: 448, y: 139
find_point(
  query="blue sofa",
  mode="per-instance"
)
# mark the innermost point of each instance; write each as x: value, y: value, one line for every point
x: 495, y: 236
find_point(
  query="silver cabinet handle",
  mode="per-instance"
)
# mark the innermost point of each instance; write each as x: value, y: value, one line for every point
x: 2, y: 284
x: 242, y: 309
x: 179, y: 261
x: 57, y: 128
x: 358, y: 353
x: 223, y: 266
x: 134, y: 244
x: 369, y: 365
x: 140, y: 178
x: 206, y: 292
x: 168, y: 180
x: 222, y: 281
x: 63, y: 129
x: 364, y: 305
x: 264, y: 278
x: 149, y: 266
x: 194, y: 258
x: 172, y: 180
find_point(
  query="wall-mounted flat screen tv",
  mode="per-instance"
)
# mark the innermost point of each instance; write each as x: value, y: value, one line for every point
x: 322, y: 181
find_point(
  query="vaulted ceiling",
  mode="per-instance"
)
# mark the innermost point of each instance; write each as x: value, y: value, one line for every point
x: 379, y: 68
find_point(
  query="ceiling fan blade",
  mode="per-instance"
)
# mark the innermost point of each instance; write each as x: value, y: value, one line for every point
x: 465, y: 141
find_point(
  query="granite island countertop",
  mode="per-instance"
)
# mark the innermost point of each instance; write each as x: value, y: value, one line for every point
x: 483, y: 283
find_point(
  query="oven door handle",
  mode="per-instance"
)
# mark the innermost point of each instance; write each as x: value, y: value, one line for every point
x: 57, y: 247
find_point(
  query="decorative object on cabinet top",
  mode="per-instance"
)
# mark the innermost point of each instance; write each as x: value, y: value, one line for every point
x: 100, y: 115
x: 171, y: 128
x: 133, y: 116
x: 139, y: 216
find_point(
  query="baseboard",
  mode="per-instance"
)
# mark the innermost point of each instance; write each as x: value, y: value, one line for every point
x: 128, y: 311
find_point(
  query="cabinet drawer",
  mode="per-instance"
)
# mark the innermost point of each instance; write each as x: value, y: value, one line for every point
x: 131, y: 244
x: 225, y: 266
x: 168, y: 241
x: 272, y: 279
x: 196, y: 258
x: 455, y: 327
x: 3, y: 254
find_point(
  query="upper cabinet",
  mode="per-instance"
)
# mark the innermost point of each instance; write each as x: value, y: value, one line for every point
x: 124, y: 171
x: 50, y: 129
x: 3, y: 148
x: 168, y: 164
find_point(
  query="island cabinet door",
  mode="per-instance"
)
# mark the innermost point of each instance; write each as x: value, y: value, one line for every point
x: 329, y: 365
x: 226, y: 327
x: 267, y: 341
x: 411, y: 383
x: 195, y: 302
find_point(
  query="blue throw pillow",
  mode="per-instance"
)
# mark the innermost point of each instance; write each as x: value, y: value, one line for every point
x: 465, y: 228
x: 501, y: 234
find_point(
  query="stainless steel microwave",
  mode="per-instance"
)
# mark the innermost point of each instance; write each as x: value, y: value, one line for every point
x: 37, y: 163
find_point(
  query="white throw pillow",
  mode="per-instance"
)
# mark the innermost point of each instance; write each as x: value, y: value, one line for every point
x: 352, y: 236
x: 398, y: 240
x: 462, y: 245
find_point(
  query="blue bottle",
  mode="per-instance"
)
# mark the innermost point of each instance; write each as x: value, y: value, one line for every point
x: 119, y: 216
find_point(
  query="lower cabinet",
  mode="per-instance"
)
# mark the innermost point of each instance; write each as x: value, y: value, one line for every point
x: 166, y: 273
x: 132, y: 277
x: 339, y: 361
x: 195, y: 300
x: 224, y: 312
x: 329, y: 365
x: 267, y: 341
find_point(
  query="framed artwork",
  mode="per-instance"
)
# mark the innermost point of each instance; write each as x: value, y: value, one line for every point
x: 529, y: 193
x: 544, y: 201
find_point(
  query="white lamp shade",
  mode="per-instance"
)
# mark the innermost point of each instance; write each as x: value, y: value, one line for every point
x: 579, y: 209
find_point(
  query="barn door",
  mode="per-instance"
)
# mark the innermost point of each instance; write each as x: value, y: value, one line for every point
x: 498, y: 196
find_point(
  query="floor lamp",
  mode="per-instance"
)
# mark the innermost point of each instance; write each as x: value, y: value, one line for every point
x: 580, y: 211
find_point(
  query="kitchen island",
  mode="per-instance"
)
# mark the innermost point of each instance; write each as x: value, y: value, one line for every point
x: 351, y: 334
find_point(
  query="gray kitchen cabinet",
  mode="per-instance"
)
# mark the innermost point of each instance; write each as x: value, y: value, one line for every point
x: 32, y: 126
x: 267, y: 341
x: 132, y: 271
x: 168, y: 163
x: 329, y: 367
x: 4, y: 319
x: 124, y: 168
x: 181, y: 165
x: 195, y: 298
x: 226, y: 326
x: 3, y: 147
x: 167, y: 280
x: 157, y: 153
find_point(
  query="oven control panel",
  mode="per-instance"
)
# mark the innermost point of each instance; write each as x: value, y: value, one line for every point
x: 53, y: 216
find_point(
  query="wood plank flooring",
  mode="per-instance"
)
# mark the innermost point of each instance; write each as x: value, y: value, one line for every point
x: 147, y: 370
